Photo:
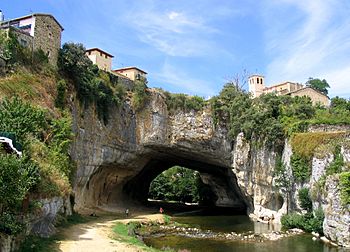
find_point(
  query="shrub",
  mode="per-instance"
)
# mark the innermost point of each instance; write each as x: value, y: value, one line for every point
x: 104, y: 101
x: 21, y: 118
x: 301, y: 167
x: 304, y: 199
x: 140, y: 94
x: 345, y: 188
x: 338, y: 162
x: 293, y: 220
x: 310, y: 222
x: 184, y: 102
x: 61, y: 94
x: 9, y: 224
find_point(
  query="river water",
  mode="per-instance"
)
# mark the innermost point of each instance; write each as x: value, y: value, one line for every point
x: 238, y: 224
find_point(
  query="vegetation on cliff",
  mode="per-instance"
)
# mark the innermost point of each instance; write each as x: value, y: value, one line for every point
x: 44, y: 169
x: 28, y: 115
x: 92, y: 85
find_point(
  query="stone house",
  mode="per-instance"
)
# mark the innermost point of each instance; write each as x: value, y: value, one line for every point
x: 132, y: 73
x: 257, y: 87
x: 101, y: 58
x: 37, y: 31
x: 316, y: 96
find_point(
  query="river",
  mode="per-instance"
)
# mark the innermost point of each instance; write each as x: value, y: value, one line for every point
x: 238, y: 224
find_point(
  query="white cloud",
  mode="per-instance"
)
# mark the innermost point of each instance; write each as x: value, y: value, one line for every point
x: 312, y: 42
x: 175, y: 33
x: 178, y: 78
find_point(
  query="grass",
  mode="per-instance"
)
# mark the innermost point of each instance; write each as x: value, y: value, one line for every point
x: 38, y: 89
x: 126, y: 234
x: 305, y: 144
x: 34, y: 243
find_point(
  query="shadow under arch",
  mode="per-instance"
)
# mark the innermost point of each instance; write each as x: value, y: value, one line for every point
x: 222, y: 181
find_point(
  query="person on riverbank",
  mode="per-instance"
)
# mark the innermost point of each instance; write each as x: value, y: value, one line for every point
x: 127, y: 212
x: 161, y: 210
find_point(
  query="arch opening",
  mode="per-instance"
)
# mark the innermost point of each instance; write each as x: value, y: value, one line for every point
x: 221, y: 182
x: 121, y: 185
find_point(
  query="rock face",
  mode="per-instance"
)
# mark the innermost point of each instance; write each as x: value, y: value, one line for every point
x: 40, y: 223
x: 117, y: 162
x: 43, y: 224
x: 336, y: 225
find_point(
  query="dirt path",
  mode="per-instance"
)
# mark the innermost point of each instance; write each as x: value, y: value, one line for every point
x: 96, y: 236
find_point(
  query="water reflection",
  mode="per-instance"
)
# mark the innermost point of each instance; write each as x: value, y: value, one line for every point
x: 238, y: 224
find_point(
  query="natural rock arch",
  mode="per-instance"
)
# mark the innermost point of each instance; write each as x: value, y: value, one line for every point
x: 116, y: 162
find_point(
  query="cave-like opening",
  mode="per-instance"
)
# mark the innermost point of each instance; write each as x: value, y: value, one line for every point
x: 222, y: 189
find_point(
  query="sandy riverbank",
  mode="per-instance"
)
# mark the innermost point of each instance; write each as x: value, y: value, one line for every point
x: 97, y: 234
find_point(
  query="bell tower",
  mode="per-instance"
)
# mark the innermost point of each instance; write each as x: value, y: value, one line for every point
x: 256, y: 85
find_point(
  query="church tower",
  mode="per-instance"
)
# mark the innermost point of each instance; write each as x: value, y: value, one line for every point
x: 256, y: 85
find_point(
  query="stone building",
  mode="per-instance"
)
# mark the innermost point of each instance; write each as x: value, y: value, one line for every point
x: 101, y: 58
x: 316, y: 96
x: 132, y: 73
x: 257, y: 87
x: 37, y: 31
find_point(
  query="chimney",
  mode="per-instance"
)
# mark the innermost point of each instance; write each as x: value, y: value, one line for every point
x: 1, y: 16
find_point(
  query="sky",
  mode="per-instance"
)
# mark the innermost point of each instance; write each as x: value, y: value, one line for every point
x: 196, y: 46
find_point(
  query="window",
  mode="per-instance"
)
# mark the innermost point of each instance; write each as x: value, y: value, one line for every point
x: 257, y: 80
x: 100, y: 54
x: 106, y: 56
x: 89, y: 52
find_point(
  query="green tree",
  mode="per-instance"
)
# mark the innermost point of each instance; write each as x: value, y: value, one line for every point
x: 320, y: 85
x: 176, y: 184
x: 338, y: 103
x: 74, y: 63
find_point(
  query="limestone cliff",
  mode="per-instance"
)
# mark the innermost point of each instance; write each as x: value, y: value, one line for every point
x: 117, y: 162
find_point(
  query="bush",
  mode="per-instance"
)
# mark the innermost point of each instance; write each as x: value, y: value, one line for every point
x: 345, y: 188
x: 293, y: 220
x: 21, y: 118
x: 9, y: 224
x: 61, y: 94
x: 310, y: 222
x: 301, y: 168
x: 337, y: 163
x: 17, y: 177
x: 184, y: 102
x: 304, y: 199
x: 140, y: 94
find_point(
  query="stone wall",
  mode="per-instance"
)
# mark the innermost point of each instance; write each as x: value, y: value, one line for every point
x: 47, y: 36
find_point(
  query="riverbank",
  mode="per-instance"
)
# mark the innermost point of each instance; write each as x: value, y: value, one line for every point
x: 98, y: 233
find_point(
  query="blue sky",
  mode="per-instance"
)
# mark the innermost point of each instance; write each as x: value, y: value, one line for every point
x: 195, y: 46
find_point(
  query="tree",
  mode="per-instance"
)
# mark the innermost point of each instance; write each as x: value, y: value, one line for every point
x: 320, y: 85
